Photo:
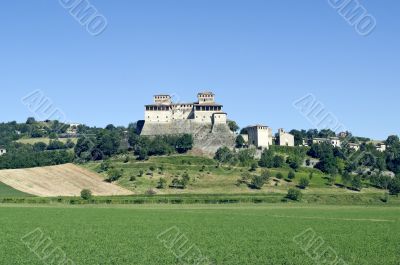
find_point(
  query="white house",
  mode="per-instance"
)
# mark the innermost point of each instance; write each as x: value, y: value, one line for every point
x: 285, y: 139
x: 381, y: 147
x: 2, y: 151
x: 335, y: 141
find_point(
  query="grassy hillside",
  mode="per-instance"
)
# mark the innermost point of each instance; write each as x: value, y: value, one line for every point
x: 9, y: 192
x: 44, y: 140
x: 242, y: 234
x: 206, y: 176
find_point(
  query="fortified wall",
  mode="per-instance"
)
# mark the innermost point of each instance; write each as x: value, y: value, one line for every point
x: 203, y: 119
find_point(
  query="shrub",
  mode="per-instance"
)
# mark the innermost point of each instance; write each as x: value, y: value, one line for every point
x: 86, y: 194
x: 279, y: 175
x: 304, y: 182
x: 257, y: 182
x: 294, y: 194
x: 114, y: 174
x: 291, y: 175
x: 132, y: 178
x: 162, y: 183
x: 141, y: 173
x: 253, y: 166
x: 151, y: 192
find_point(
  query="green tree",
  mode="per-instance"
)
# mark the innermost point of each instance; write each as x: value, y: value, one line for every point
x: 162, y: 183
x: 291, y: 175
x: 86, y: 194
x: 267, y: 159
x: 114, y: 174
x: 279, y: 161
x: 294, y: 194
x: 239, y: 141
x: 304, y: 183
x: 224, y: 155
x: 356, y: 183
x: 233, y: 126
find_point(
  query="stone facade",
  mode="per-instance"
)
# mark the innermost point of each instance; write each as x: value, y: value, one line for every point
x: 259, y: 136
x: 285, y: 139
x: 203, y: 119
x: 205, y: 110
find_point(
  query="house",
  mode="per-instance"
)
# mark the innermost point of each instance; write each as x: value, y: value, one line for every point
x: 284, y: 138
x: 2, y: 151
x: 73, y: 128
x: 335, y: 141
x: 204, y: 111
x: 354, y: 146
x: 381, y: 147
x: 259, y: 136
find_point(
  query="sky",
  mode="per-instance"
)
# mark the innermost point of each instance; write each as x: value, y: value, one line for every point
x: 259, y: 57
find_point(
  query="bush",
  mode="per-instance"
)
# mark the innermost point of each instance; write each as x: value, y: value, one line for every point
x: 304, y: 183
x: 294, y: 194
x: 132, y: 178
x: 162, y: 183
x: 279, y: 175
x: 257, y: 182
x: 114, y: 174
x: 253, y: 166
x: 86, y: 194
x: 291, y: 175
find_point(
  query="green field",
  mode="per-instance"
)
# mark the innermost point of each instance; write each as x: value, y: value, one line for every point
x: 241, y: 234
x: 9, y: 192
x: 207, y: 177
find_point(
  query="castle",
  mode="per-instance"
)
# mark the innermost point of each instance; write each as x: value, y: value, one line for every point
x: 205, y: 110
x: 204, y: 119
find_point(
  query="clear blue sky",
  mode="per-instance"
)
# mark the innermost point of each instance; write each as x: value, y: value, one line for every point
x: 258, y: 56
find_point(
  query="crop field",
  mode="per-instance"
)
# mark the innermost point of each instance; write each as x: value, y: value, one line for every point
x: 62, y: 180
x: 161, y: 234
x: 7, y: 191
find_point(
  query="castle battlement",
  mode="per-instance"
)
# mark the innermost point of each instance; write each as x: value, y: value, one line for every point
x: 205, y: 110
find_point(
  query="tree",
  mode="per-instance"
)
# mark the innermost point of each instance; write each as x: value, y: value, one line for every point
x: 257, y: 182
x: 394, y: 186
x: 253, y: 166
x: 233, y: 126
x: 114, y: 174
x: 239, y: 141
x: 304, y: 183
x: 162, y: 183
x: 279, y: 161
x: 184, y: 143
x: 291, y: 175
x: 224, y: 155
x: 86, y: 194
x: 356, y: 183
x: 30, y: 121
x: 267, y: 159
x: 279, y: 175
x: 346, y: 179
x: 294, y: 194
x: 39, y: 147
x: 294, y: 162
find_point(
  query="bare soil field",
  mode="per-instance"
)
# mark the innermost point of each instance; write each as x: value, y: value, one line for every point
x: 62, y: 180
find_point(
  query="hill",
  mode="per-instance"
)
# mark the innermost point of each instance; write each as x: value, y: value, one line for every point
x: 9, y: 192
x: 209, y: 177
x: 62, y: 180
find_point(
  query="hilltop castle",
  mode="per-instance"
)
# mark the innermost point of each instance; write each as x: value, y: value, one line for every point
x: 205, y: 110
x: 204, y: 119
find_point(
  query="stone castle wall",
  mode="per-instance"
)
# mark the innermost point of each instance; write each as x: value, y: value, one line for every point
x: 207, y: 137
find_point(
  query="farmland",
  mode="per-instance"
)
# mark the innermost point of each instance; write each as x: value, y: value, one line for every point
x: 62, y: 180
x: 240, y: 234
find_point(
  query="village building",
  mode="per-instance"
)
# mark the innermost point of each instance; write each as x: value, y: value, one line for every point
x: 335, y: 141
x: 354, y: 146
x: 381, y: 147
x: 73, y: 128
x: 3, y: 151
x: 259, y: 136
x: 284, y: 138
x: 205, y: 110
